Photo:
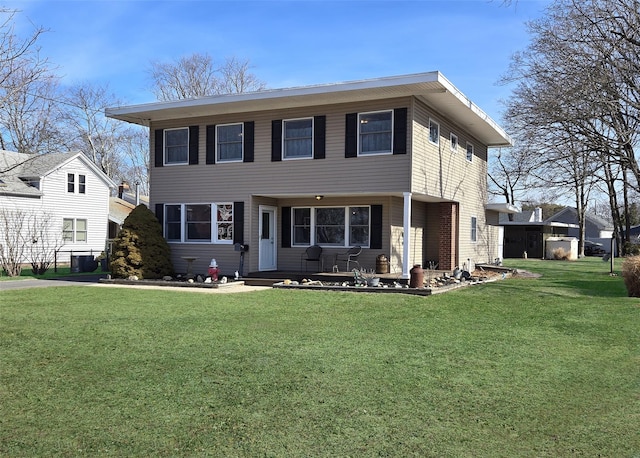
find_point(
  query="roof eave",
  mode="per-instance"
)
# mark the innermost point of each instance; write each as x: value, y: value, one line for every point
x: 431, y: 87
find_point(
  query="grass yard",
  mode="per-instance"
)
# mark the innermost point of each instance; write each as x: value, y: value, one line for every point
x: 521, y: 367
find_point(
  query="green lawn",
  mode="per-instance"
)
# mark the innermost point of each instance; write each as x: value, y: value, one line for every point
x: 521, y: 367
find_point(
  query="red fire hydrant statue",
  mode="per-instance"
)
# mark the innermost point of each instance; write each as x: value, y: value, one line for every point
x: 213, y: 270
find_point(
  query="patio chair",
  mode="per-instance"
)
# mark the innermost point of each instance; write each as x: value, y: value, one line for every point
x: 348, y: 257
x: 312, y: 254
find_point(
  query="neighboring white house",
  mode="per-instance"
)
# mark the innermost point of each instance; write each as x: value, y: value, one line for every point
x: 66, y: 194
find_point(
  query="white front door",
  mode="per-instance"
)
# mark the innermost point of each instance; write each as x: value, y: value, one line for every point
x: 267, y: 236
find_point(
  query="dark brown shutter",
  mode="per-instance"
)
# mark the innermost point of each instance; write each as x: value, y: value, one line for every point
x: 211, y: 144
x: 193, y: 144
x: 286, y: 227
x: 400, y: 131
x: 376, y: 227
x: 238, y: 222
x: 160, y: 214
x: 351, y: 137
x: 319, y: 136
x: 248, y: 131
x: 276, y: 140
x: 159, y: 148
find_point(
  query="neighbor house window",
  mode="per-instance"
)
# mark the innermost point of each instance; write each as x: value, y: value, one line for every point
x: 297, y: 138
x: 375, y: 132
x: 469, y: 152
x: 453, y: 144
x: 74, y: 230
x: 331, y: 226
x: 71, y: 182
x: 434, y: 132
x: 176, y: 146
x: 82, y: 184
x: 229, y: 143
x: 474, y: 229
x: 199, y: 223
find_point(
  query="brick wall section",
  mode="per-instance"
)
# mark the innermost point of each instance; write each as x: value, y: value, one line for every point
x: 447, y: 252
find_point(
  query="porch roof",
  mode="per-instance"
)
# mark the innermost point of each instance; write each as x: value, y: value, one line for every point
x: 432, y: 88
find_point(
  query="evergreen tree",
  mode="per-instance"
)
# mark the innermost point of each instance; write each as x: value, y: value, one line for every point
x: 140, y: 249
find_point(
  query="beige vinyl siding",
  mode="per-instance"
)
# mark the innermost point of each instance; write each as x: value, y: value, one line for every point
x: 439, y: 172
x: 334, y: 174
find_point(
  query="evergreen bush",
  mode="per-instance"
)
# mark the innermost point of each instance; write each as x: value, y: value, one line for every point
x: 140, y: 249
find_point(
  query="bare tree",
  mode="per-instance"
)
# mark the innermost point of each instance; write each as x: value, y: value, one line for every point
x: 198, y: 75
x: 577, y: 93
x: 13, y: 248
x: 89, y: 131
x: 42, y: 241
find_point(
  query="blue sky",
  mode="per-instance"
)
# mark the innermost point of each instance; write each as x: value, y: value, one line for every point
x: 289, y: 43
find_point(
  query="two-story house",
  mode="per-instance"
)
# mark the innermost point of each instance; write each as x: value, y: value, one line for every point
x: 65, y: 193
x: 396, y: 165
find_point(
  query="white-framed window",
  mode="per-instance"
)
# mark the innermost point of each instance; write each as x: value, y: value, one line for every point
x: 434, y: 132
x: 474, y: 229
x: 301, y: 222
x: 173, y: 223
x: 176, y: 146
x: 224, y: 223
x: 453, y: 142
x: 199, y: 223
x: 74, y: 230
x: 375, y: 132
x: 297, y: 138
x: 469, y: 152
x: 81, y: 180
x: 229, y: 142
x: 331, y: 226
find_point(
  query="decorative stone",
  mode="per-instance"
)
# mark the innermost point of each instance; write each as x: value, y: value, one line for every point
x: 200, y: 279
x: 133, y: 278
x: 167, y: 278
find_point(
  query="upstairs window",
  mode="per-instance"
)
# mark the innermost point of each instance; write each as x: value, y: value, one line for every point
x: 469, y: 152
x: 453, y: 144
x: 229, y: 144
x: 375, y: 132
x: 176, y: 146
x: 81, y: 181
x: 297, y: 138
x: 434, y: 132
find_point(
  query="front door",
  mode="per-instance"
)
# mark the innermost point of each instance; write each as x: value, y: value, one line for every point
x: 267, y: 249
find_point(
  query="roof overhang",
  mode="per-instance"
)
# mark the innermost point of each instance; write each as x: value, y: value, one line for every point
x: 432, y: 88
x: 503, y: 208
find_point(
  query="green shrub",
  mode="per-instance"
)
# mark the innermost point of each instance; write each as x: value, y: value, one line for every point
x: 140, y: 249
x: 631, y: 275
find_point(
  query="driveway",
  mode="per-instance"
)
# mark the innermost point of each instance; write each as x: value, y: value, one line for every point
x: 64, y: 281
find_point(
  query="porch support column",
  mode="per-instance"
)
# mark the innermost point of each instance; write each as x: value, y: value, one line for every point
x: 406, y: 235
